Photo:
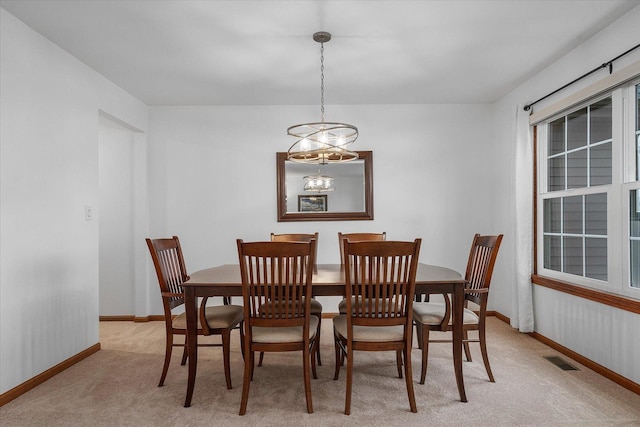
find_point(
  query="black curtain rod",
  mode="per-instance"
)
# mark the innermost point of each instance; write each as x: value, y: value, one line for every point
x: 605, y: 65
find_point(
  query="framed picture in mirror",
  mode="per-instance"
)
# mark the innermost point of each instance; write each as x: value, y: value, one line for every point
x: 312, y: 203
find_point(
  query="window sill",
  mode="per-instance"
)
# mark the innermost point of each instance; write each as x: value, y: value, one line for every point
x: 613, y: 300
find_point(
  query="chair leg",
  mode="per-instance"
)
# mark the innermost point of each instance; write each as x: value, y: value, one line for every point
x: 226, y: 347
x: 399, y: 362
x: 349, y: 357
x: 307, y: 356
x: 338, y: 351
x: 409, y: 377
x: 465, y: 344
x: 312, y: 353
x: 242, y: 339
x: 483, y: 350
x: 167, y: 356
x: 317, y: 352
x: 425, y: 352
x: 184, y: 353
x: 260, y: 359
x: 419, y: 334
x: 246, y: 381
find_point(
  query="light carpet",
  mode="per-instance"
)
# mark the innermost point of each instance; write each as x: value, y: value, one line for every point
x: 118, y: 387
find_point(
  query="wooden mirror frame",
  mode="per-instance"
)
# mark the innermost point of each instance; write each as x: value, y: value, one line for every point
x: 367, y: 214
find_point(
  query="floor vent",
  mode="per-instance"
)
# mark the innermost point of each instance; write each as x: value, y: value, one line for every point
x: 561, y: 363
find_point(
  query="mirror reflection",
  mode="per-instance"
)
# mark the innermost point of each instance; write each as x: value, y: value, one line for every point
x: 335, y: 191
x: 346, y: 194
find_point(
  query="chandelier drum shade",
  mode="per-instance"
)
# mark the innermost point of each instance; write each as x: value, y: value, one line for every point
x: 322, y: 142
x: 318, y: 183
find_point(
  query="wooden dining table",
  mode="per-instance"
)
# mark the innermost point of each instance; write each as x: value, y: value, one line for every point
x: 225, y: 281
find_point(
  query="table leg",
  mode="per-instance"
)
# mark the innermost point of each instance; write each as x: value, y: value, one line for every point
x: 458, y: 313
x: 191, y: 311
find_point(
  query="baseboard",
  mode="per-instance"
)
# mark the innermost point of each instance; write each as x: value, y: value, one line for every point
x: 116, y: 318
x: 131, y: 318
x: 605, y: 372
x: 44, y: 376
x: 500, y: 316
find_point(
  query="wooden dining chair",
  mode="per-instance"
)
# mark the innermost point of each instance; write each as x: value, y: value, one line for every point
x: 355, y: 237
x: 436, y: 316
x: 316, y: 307
x: 276, y: 290
x: 380, y: 286
x: 170, y: 269
x: 358, y: 237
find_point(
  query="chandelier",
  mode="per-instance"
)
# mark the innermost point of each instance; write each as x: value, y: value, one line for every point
x: 318, y: 183
x: 322, y: 142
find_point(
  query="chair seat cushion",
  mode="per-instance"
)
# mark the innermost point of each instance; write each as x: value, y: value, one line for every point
x: 342, y: 306
x: 368, y: 333
x: 278, y: 335
x: 432, y: 313
x: 316, y: 307
x: 218, y: 317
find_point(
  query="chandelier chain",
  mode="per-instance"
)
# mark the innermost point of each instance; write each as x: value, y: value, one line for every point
x: 322, y: 82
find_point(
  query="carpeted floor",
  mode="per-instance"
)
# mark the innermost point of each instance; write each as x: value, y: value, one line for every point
x: 118, y: 387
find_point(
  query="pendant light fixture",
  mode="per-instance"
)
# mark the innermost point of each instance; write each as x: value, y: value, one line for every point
x: 318, y: 183
x: 322, y: 142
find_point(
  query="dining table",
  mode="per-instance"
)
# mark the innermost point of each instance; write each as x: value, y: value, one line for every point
x: 328, y: 280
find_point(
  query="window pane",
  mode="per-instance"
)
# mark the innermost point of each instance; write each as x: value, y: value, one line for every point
x: 600, y: 169
x: 634, y: 213
x: 573, y: 255
x: 638, y: 132
x: 556, y: 136
x: 552, y: 253
x: 635, y: 263
x: 634, y: 233
x: 556, y: 173
x: 577, y: 129
x: 552, y: 216
x: 600, y: 117
x: 572, y: 215
x: 577, y: 169
x: 596, y: 214
x: 596, y: 258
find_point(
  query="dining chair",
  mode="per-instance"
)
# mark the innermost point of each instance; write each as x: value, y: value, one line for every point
x: 380, y: 286
x: 316, y: 307
x: 355, y: 237
x: 276, y: 290
x: 436, y: 316
x: 168, y: 261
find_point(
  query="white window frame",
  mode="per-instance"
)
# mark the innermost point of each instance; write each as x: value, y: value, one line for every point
x: 623, y: 180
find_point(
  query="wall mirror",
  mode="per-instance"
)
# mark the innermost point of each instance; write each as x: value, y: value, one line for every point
x: 352, y: 198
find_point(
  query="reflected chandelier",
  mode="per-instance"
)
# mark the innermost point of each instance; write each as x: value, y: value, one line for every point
x: 318, y: 183
x: 322, y: 142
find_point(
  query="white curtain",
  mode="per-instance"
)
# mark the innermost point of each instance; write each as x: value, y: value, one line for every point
x: 522, y: 303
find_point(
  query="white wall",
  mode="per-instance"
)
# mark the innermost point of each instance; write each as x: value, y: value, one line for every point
x: 116, y: 245
x: 49, y: 104
x: 601, y: 333
x: 213, y: 178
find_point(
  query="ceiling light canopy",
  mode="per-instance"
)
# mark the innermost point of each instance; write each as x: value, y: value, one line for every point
x: 322, y: 142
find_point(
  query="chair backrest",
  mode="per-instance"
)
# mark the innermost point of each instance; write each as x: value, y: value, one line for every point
x: 482, y: 258
x: 380, y: 281
x: 276, y: 278
x: 298, y: 237
x: 358, y: 237
x: 167, y: 259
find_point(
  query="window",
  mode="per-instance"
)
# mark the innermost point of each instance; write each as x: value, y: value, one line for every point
x: 634, y: 206
x: 586, y: 189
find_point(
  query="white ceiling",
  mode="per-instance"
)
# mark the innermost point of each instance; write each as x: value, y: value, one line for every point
x: 262, y: 52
